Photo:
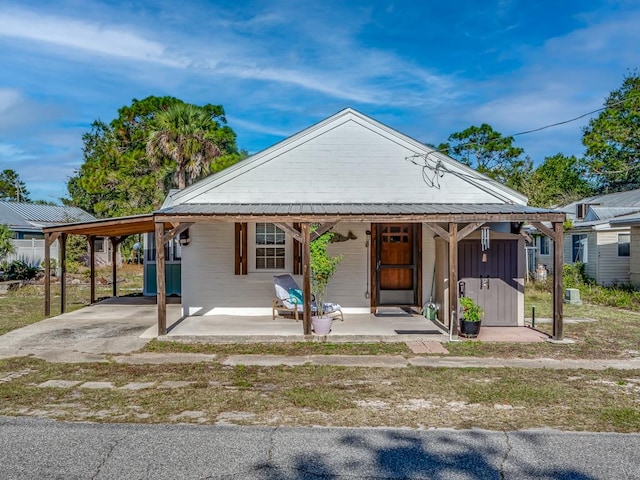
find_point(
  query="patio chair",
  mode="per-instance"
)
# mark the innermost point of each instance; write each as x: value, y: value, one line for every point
x: 289, y: 300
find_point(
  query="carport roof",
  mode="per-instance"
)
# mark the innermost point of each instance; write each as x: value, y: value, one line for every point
x: 108, y: 227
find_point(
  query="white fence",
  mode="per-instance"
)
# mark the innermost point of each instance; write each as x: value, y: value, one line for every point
x: 32, y: 251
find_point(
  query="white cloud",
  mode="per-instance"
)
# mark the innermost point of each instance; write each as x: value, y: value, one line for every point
x: 83, y: 35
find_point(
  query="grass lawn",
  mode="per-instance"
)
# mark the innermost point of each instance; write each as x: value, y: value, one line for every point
x: 614, y: 334
x: 498, y: 399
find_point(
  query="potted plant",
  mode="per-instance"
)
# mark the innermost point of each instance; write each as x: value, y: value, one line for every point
x: 472, y: 314
x: 323, y: 267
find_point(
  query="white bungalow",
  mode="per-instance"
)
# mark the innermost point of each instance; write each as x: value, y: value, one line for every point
x: 396, y: 202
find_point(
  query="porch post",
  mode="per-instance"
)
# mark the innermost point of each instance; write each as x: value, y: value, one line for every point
x: 453, y: 278
x: 557, y: 281
x: 63, y: 272
x: 306, y: 277
x: 161, y: 298
x: 92, y: 268
x: 47, y: 275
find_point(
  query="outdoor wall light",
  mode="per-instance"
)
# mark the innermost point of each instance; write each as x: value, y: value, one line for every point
x: 184, y: 238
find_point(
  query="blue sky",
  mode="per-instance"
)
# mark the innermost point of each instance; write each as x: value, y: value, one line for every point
x: 425, y: 68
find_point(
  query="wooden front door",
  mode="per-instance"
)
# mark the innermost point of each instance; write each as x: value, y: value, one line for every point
x: 491, y: 279
x: 396, y: 264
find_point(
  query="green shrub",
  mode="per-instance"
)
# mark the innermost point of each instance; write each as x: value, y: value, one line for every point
x: 574, y: 275
x: 19, y: 270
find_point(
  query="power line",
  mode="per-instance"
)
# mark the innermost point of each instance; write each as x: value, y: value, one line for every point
x: 575, y: 118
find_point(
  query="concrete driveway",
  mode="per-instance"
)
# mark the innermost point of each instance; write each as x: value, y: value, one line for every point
x: 89, y: 334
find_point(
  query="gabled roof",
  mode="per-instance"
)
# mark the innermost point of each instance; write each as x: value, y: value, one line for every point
x: 25, y: 216
x: 629, y: 198
x: 312, y: 167
x: 605, y: 213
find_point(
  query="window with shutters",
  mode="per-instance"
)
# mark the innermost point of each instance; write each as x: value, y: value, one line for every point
x: 270, y: 247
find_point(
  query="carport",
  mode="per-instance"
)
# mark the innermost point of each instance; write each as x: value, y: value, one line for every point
x: 116, y: 229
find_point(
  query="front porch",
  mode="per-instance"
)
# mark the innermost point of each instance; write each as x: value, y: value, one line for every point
x: 357, y: 328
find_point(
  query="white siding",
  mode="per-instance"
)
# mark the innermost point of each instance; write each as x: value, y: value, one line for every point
x: 611, y: 267
x: 603, y: 263
x: 350, y: 163
x: 209, y: 285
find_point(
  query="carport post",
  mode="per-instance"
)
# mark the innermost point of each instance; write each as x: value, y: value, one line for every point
x: 63, y: 272
x: 114, y: 266
x: 92, y: 267
x: 558, y: 294
x: 161, y: 296
x: 47, y: 275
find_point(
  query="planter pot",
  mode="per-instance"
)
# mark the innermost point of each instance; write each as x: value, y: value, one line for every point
x: 469, y: 329
x: 321, y: 325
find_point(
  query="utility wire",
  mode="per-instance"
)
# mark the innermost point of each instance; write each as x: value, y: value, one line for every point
x: 437, y: 169
x: 575, y: 118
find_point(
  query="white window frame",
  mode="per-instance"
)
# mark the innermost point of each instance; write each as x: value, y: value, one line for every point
x: 544, y: 245
x: 583, y: 239
x: 252, y: 246
x: 628, y: 244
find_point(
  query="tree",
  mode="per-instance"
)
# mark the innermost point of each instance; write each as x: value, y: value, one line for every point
x: 6, y: 241
x: 12, y: 188
x: 117, y: 178
x: 612, y: 139
x: 488, y: 152
x: 559, y: 180
x: 186, y: 135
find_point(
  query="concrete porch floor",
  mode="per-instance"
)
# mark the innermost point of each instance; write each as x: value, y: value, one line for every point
x: 355, y: 328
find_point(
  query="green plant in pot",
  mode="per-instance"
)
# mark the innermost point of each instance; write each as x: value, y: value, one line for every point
x: 472, y: 315
x: 323, y: 267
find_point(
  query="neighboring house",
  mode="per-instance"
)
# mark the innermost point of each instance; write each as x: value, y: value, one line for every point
x: 415, y: 226
x: 596, y: 238
x: 631, y: 221
x: 27, y: 220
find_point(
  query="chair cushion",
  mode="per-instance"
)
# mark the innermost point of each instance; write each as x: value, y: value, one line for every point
x: 295, y: 295
x: 331, y: 307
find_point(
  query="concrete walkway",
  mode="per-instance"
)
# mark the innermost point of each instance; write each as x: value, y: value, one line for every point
x: 382, y: 361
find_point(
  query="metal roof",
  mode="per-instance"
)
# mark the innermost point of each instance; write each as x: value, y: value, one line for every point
x: 361, y: 211
x: 290, y: 209
x: 630, y: 198
x: 108, y: 227
x: 22, y: 216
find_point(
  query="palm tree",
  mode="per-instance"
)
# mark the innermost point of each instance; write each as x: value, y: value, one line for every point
x: 185, y: 134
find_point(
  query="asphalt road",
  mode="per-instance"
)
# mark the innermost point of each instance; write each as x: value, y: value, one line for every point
x: 42, y: 449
